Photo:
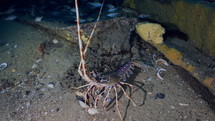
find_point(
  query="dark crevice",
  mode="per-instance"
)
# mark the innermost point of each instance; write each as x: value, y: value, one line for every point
x: 197, y: 87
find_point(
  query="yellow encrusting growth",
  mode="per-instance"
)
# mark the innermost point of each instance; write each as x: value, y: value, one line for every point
x: 174, y: 55
x: 151, y: 32
x: 209, y: 82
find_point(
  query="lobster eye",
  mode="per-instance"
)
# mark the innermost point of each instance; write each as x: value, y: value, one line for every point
x: 105, y: 78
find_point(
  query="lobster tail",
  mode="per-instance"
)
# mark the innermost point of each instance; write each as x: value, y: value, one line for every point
x: 125, y: 70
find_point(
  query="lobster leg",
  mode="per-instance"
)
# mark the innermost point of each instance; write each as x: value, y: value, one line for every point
x: 108, y: 93
x: 117, y: 104
x: 127, y: 95
x: 98, y: 98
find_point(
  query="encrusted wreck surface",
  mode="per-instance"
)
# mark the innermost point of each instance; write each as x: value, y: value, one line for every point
x: 39, y: 88
x: 192, y: 17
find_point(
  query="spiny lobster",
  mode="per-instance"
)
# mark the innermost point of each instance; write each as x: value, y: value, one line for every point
x: 99, y: 86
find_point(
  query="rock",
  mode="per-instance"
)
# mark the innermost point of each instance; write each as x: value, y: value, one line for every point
x: 114, y: 38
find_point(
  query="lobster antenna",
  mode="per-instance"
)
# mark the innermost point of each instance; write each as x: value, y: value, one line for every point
x: 78, y: 27
x: 82, y: 63
x: 94, y: 28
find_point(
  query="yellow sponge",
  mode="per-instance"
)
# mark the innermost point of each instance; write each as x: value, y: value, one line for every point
x: 151, y: 32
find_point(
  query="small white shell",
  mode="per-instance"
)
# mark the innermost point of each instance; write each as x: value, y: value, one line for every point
x: 38, y: 19
x: 39, y: 60
x: 50, y: 85
x: 83, y: 105
x: 55, y: 41
x: 158, y: 73
x: 162, y: 61
x: 3, y: 66
x: 92, y: 111
x: 183, y: 104
x: 34, y: 66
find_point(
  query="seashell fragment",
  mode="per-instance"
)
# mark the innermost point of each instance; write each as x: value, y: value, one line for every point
x: 34, y: 66
x: 158, y: 73
x: 83, y: 105
x: 51, y: 85
x: 55, y: 41
x: 161, y: 61
x: 183, y: 104
x: 10, y: 18
x: 38, y: 19
x: 3, y: 66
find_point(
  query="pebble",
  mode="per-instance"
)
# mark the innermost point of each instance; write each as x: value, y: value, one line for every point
x: 49, y: 76
x: 40, y: 95
x: 28, y: 104
x: 45, y: 113
x: 92, y: 111
x: 34, y: 66
x: 159, y: 96
x: 43, y: 89
x: 50, y: 85
x: 55, y: 110
x: 15, y: 46
x: 108, y: 100
x: 55, y: 41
